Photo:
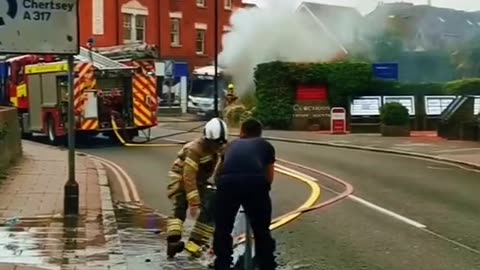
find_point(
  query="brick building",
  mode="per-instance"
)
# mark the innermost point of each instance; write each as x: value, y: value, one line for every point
x: 182, y: 30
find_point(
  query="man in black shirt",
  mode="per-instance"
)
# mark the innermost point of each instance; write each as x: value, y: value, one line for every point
x: 244, y: 178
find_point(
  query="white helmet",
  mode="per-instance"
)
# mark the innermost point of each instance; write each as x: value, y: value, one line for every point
x: 216, y: 130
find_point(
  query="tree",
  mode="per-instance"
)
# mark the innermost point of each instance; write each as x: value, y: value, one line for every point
x: 467, y: 58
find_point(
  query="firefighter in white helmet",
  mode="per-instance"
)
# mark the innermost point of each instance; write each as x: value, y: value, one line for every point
x: 189, y: 189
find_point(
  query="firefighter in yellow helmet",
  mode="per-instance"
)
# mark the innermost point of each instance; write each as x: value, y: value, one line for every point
x: 230, y: 98
x: 189, y: 189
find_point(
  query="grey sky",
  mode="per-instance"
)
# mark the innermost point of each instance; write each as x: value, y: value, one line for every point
x: 366, y: 6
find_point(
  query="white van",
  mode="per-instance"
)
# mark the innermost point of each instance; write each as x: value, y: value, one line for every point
x: 201, y: 91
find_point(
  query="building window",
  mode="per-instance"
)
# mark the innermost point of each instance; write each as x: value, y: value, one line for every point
x: 134, y: 27
x: 228, y: 4
x: 201, y: 3
x: 127, y: 26
x: 175, y: 32
x: 226, y: 29
x: 140, y: 27
x: 200, y: 41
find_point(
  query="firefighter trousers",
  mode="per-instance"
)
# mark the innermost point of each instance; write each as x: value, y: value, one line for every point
x: 202, y: 231
x: 254, y: 197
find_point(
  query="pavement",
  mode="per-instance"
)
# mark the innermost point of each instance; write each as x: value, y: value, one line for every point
x: 34, y: 232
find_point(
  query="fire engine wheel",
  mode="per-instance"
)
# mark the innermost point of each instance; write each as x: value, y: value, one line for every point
x: 51, y: 134
x: 25, y: 135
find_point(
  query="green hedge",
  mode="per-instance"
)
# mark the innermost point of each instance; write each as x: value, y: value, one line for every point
x: 276, y: 84
x: 463, y: 87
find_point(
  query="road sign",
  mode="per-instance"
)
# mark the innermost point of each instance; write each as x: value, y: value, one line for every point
x: 386, y: 71
x: 39, y: 26
x: 169, y: 68
x: 338, y: 120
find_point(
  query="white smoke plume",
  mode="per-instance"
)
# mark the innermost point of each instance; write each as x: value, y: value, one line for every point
x: 276, y: 32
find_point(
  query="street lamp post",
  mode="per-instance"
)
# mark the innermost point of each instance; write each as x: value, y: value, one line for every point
x: 215, y: 79
x: 71, y: 198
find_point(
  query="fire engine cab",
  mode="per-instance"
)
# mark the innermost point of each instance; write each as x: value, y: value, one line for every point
x: 103, y: 90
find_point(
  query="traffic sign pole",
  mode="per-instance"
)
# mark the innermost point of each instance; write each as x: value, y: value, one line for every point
x: 215, y: 80
x: 71, y: 199
x: 169, y: 75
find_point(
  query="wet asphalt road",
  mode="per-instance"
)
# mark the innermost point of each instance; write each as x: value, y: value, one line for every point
x: 349, y: 235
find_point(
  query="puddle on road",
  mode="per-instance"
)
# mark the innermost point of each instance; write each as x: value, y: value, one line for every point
x: 50, y: 243
x: 142, y: 235
x: 143, y: 240
x: 58, y: 243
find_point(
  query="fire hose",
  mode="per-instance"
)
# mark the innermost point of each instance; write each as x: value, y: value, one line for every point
x: 146, y: 143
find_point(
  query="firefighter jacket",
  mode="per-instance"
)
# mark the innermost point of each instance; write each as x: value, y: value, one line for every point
x: 230, y: 99
x: 195, y: 164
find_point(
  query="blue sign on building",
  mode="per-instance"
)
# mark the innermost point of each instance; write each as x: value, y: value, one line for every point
x: 386, y: 71
x: 181, y: 69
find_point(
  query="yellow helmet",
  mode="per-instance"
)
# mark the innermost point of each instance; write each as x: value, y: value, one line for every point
x: 230, y: 86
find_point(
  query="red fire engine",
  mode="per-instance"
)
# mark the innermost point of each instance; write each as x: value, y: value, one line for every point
x: 103, y: 89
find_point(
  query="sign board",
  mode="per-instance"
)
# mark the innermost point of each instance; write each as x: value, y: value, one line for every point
x: 386, y: 71
x: 39, y: 26
x: 476, y: 106
x: 169, y: 68
x: 311, y: 110
x: 338, y: 122
x: 407, y: 101
x: 435, y: 105
x: 366, y: 106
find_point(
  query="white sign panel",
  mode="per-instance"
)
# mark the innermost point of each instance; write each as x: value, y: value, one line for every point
x: 39, y: 26
x: 435, y: 105
x: 407, y: 101
x: 366, y: 106
x: 476, y: 107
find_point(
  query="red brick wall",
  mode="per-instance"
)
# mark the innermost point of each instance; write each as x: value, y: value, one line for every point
x: 158, y: 26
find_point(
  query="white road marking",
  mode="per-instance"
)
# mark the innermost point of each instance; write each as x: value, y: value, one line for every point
x: 175, y: 140
x: 438, y: 168
x: 387, y: 212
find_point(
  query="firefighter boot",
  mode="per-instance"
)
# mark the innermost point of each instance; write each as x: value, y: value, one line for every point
x: 174, y: 246
x: 194, y: 249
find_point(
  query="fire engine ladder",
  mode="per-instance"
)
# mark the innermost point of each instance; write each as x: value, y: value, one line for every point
x: 99, y: 61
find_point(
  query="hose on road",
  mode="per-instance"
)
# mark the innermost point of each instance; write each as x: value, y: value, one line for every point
x: 146, y: 143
